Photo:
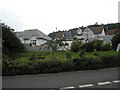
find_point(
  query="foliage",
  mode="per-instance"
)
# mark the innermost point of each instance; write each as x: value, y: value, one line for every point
x: 11, y: 44
x: 106, y: 47
x: 90, y: 46
x: 54, y: 44
x: 22, y: 66
x: 97, y: 44
x: 75, y: 46
x: 115, y: 40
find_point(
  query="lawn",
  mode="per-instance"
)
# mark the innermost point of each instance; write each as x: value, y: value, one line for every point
x: 60, y: 55
x: 22, y: 65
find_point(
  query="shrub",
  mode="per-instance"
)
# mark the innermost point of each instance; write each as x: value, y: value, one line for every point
x: 110, y: 61
x: 10, y: 67
x: 90, y: 46
x: 75, y: 46
x: 106, y: 47
x: 115, y: 40
x: 97, y: 44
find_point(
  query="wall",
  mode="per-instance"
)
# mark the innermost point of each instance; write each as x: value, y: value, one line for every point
x: 41, y: 41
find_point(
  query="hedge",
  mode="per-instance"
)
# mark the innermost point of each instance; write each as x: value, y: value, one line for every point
x: 11, y: 67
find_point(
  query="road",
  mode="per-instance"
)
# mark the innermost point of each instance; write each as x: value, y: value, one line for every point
x: 105, y: 78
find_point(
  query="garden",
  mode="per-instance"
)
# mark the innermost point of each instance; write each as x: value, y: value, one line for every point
x: 82, y: 56
x: 59, y: 61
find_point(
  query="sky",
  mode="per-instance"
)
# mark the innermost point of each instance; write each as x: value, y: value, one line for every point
x: 46, y: 15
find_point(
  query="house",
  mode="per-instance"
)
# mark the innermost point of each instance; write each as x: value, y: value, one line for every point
x: 107, y: 39
x: 88, y: 33
x: 32, y: 39
x: 79, y: 34
x: 111, y: 31
x: 98, y: 31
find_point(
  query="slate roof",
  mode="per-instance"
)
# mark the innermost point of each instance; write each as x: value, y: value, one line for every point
x: 108, y: 38
x: 27, y: 34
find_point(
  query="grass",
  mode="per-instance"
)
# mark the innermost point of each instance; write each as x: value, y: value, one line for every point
x: 60, y: 55
x: 22, y: 65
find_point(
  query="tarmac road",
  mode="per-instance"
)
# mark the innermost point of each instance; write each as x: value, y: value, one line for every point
x: 104, y: 78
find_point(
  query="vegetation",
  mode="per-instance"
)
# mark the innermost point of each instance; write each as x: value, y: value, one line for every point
x: 75, y: 47
x: 80, y: 57
x: 90, y: 46
x: 11, y: 44
x: 22, y: 65
x: 115, y: 40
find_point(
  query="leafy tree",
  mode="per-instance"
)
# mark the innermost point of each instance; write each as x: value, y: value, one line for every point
x: 11, y: 44
x: 97, y: 44
x: 90, y: 46
x: 106, y: 47
x: 116, y: 39
x: 54, y: 44
x: 75, y: 46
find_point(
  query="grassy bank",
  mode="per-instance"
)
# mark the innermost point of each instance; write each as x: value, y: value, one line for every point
x: 59, y: 63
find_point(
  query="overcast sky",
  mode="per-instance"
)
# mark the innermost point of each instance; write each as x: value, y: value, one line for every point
x: 46, y: 15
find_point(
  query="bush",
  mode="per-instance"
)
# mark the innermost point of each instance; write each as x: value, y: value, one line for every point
x: 75, y: 46
x: 13, y: 67
x: 116, y: 40
x: 90, y: 46
x: 110, y: 61
x: 106, y: 47
x: 97, y: 44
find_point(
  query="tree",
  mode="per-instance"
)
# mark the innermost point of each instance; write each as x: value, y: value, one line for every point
x: 11, y: 44
x: 75, y: 46
x: 115, y: 40
x: 90, y: 46
x: 53, y: 45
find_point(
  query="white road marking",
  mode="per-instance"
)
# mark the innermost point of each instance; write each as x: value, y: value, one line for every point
x: 65, y: 88
x: 103, y: 83
x: 87, y: 85
x: 116, y: 81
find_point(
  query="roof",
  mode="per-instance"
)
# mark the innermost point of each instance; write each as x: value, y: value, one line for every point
x: 27, y: 34
x: 60, y: 34
x: 108, y: 38
x: 111, y: 31
x: 97, y: 30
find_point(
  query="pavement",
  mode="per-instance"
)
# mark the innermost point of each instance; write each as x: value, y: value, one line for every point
x: 104, y: 78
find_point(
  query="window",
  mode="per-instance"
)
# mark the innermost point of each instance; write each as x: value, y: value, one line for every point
x: 33, y: 42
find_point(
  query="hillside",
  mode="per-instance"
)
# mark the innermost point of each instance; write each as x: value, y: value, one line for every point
x: 109, y: 30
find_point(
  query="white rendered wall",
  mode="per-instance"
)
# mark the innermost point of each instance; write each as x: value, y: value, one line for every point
x: 40, y: 41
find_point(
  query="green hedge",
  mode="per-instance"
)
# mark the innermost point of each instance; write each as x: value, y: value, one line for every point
x: 11, y: 67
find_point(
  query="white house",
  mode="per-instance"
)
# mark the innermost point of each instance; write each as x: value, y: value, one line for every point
x: 90, y: 32
x: 87, y: 33
x: 32, y: 37
x: 79, y: 34
x: 98, y: 31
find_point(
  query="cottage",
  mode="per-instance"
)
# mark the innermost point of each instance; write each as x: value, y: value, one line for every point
x: 79, y: 34
x: 32, y: 38
x: 98, y: 31
x: 88, y: 33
